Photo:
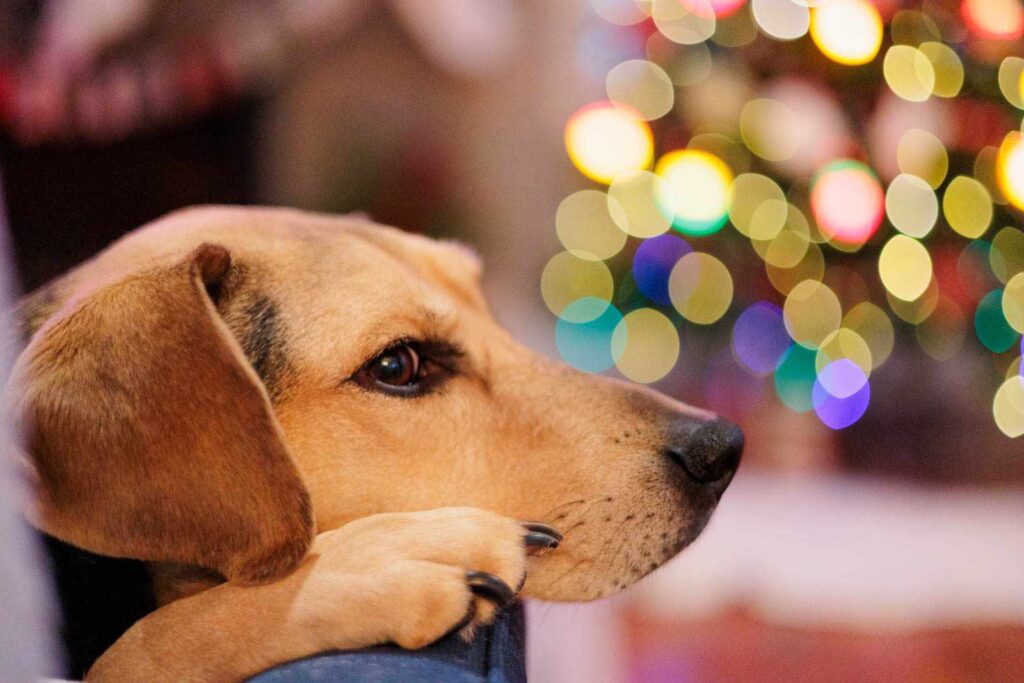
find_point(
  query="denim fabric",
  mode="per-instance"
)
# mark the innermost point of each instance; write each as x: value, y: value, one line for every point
x: 495, y: 655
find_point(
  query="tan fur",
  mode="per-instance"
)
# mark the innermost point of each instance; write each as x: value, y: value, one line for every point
x: 154, y: 439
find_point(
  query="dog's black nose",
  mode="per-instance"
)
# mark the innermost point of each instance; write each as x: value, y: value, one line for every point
x: 710, y: 453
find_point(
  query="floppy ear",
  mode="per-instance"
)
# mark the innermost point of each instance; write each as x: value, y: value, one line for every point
x: 152, y: 436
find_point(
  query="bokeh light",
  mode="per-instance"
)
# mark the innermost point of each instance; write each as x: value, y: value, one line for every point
x: 700, y: 288
x: 874, y: 327
x: 917, y: 310
x: 840, y: 394
x: 967, y: 206
x: 909, y: 73
x: 649, y: 345
x: 922, y: 154
x: 847, y: 31
x: 1008, y: 407
x: 844, y: 344
x: 759, y: 338
x: 991, y: 326
x: 905, y: 267
x: 619, y: 12
x: 653, y: 263
x: 585, y: 227
x: 605, y: 140
x: 811, y: 266
x: 847, y: 201
x: 1009, y: 77
x: 686, y: 23
x: 994, y: 19
x: 1010, y: 169
x: 587, y: 345
x: 795, y: 377
x: 911, y: 205
x: 720, y: 8
x: 697, y: 192
x: 781, y: 19
x: 770, y: 129
x: 750, y: 191
x: 1006, y: 254
x: 568, y: 278
x: 1013, y: 302
x: 941, y: 334
x: 643, y: 86
x: 949, y: 70
x: 635, y: 204
x: 812, y: 312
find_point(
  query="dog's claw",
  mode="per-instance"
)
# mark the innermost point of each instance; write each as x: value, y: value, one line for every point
x: 490, y: 587
x: 540, y: 535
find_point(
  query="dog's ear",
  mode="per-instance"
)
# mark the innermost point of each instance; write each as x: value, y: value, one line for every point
x: 152, y: 436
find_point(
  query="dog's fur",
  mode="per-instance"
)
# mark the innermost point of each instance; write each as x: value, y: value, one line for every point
x: 189, y: 400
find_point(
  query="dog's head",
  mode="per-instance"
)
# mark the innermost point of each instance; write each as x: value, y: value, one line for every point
x: 216, y: 385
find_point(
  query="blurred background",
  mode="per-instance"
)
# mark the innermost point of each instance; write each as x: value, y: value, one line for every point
x: 803, y: 214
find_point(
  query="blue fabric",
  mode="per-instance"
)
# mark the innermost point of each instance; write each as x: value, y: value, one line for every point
x: 496, y: 655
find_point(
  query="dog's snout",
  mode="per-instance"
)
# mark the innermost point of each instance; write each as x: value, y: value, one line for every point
x: 710, y: 453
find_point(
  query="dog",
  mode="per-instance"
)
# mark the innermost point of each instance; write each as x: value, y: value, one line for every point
x: 317, y: 437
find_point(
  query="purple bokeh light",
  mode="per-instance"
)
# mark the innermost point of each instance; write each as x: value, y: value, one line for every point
x: 846, y: 379
x: 759, y: 337
x: 653, y: 263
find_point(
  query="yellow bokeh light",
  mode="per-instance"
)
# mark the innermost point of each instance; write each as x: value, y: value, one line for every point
x: 911, y: 27
x: 649, y: 343
x: 811, y: 266
x: 770, y: 129
x: 844, y: 343
x: 700, y: 288
x: 1013, y: 302
x: 1006, y: 257
x: 1010, y: 169
x: 699, y: 190
x: 642, y: 85
x: 750, y: 191
x: 568, y: 278
x: 909, y: 73
x: 811, y: 313
x: 585, y: 226
x: 905, y: 267
x: 874, y: 327
x: 949, y: 71
x: 634, y: 204
x: 847, y: 31
x: 922, y: 154
x: 606, y: 140
x: 787, y: 249
x: 1008, y: 407
x: 941, y: 334
x: 918, y: 310
x: 911, y: 205
x: 1011, y: 71
x: 967, y: 207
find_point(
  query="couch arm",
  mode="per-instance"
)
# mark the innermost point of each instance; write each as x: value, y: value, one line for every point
x: 496, y: 655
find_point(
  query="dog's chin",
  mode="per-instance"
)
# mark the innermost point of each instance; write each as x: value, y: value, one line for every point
x: 611, y: 548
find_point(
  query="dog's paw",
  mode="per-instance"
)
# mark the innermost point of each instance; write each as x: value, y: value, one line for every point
x: 437, y: 571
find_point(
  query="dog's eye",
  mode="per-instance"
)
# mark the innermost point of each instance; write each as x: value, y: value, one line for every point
x: 397, y: 367
x: 409, y: 367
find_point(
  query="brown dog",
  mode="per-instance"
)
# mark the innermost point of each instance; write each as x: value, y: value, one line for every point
x: 216, y: 388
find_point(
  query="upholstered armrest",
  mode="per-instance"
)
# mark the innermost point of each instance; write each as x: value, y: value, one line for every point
x: 495, y: 655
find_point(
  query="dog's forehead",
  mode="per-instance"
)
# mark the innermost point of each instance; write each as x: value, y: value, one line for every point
x: 301, y: 250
